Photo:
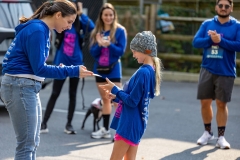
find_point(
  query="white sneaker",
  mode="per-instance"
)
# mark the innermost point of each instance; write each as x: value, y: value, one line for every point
x: 203, y: 140
x: 222, y: 143
x: 101, y: 133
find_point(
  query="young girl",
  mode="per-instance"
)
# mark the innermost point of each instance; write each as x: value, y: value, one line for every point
x: 108, y: 44
x: 24, y: 69
x: 131, y: 116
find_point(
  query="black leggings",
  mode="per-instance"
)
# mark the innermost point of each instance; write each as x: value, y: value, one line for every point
x: 57, y: 87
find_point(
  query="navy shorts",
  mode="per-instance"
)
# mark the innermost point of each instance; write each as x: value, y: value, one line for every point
x: 212, y: 86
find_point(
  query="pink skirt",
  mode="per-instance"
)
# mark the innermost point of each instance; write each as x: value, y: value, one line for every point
x: 117, y: 137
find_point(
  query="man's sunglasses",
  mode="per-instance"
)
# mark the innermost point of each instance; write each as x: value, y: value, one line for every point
x: 225, y: 6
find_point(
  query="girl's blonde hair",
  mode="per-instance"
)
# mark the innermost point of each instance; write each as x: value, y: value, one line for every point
x: 158, y: 74
x: 99, y: 27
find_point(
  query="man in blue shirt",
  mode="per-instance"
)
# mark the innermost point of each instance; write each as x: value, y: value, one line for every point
x: 220, y: 39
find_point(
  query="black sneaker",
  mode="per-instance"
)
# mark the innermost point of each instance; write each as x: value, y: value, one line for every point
x: 69, y: 129
x: 44, y: 128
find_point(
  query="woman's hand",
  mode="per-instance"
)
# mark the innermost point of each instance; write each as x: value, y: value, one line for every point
x: 99, y: 39
x: 106, y: 42
x: 79, y: 11
x: 103, y: 41
x: 83, y: 72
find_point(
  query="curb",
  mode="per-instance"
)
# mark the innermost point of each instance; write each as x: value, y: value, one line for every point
x: 187, y: 77
x: 176, y: 76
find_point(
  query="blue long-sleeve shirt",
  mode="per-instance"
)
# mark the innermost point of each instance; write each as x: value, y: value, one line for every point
x: 30, y: 49
x: 70, y: 53
x: 116, y: 51
x: 131, y: 117
x: 219, y: 59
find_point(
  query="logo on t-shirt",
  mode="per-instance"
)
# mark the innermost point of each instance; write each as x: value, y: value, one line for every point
x: 69, y: 43
x: 104, y: 57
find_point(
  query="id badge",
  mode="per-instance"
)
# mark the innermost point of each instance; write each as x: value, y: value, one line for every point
x: 215, y: 52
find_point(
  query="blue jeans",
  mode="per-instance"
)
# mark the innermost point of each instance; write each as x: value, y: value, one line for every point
x: 21, y: 98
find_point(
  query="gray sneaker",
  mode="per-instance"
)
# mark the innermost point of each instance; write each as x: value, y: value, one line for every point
x: 69, y: 129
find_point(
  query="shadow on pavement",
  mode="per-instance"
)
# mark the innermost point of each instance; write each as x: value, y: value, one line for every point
x: 188, y: 153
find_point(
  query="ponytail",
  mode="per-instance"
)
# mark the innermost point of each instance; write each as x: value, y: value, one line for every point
x: 158, y: 74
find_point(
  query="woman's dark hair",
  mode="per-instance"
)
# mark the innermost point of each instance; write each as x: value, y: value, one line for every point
x: 77, y: 24
x: 50, y: 7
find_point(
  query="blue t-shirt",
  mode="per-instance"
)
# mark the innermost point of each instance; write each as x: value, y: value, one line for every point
x: 70, y: 52
x: 111, y: 54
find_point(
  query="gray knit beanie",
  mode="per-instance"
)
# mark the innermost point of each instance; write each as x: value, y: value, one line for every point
x: 145, y: 42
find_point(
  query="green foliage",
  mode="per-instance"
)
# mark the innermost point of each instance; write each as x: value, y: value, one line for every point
x: 128, y: 61
x: 181, y: 66
x: 205, y: 8
x: 171, y: 47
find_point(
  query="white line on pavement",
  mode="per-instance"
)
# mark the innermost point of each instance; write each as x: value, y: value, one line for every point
x: 65, y: 111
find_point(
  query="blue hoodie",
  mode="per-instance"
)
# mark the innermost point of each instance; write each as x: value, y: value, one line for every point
x: 131, y: 117
x: 219, y: 59
x: 30, y: 49
x: 70, y: 53
x: 115, y: 51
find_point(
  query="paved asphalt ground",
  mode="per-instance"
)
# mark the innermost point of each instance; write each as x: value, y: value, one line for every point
x: 173, y: 128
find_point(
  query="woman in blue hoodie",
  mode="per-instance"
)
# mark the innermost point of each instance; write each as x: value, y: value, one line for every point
x: 24, y: 69
x: 131, y: 117
x: 69, y: 52
x: 108, y: 44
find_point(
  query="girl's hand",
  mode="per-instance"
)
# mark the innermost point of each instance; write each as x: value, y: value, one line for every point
x: 109, y: 95
x: 83, y: 72
x: 107, y: 87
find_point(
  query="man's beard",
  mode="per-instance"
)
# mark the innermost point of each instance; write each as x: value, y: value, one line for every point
x: 223, y: 16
